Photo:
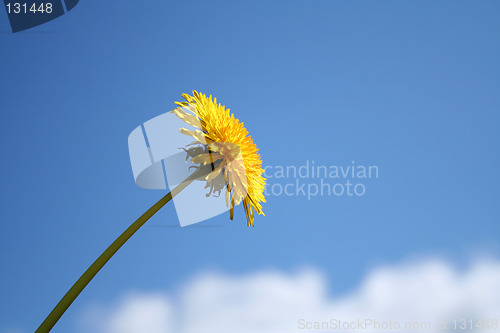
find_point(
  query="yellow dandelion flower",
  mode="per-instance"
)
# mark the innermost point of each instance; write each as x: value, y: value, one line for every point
x: 224, y: 142
x: 228, y: 160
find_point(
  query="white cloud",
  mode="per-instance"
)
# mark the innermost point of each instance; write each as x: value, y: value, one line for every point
x: 141, y: 313
x: 271, y: 301
x: 134, y: 312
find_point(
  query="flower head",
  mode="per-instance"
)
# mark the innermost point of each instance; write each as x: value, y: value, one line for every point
x: 222, y: 141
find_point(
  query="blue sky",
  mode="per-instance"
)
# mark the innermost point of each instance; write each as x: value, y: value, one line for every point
x: 411, y: 87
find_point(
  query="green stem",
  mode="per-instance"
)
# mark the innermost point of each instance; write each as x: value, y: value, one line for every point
x: 89, y: 274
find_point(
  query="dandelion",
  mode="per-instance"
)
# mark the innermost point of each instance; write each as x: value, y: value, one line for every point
x: 226, y: 159
x: 222, y: 140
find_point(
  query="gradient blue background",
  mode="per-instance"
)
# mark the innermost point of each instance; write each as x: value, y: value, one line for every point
x: 409, y: 86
